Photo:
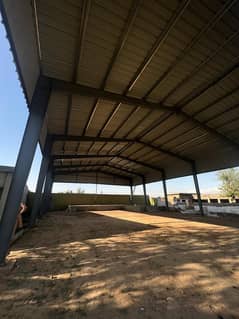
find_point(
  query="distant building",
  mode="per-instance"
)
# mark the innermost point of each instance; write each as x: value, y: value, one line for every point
x: 189, y: 199
x: 181, y: 198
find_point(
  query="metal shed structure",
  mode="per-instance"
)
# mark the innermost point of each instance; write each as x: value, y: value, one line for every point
x: 123, y: 92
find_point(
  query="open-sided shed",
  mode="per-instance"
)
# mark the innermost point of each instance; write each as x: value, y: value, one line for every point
x: 123, y: 92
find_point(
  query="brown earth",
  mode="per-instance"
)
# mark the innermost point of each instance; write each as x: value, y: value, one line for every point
x: 119, y: 264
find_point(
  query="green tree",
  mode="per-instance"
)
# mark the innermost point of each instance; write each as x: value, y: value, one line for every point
x: 229, y: 179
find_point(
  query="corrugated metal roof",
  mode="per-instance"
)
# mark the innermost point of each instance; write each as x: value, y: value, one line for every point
x: 180, y: 55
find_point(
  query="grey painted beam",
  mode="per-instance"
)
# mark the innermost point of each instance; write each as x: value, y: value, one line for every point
x: 120, y: 140
x: 153, y: 167
x: 46, y: 197
x: 60, y: 173
x: 160, y: 40
x: 118, y: 48
x: 55, y: 157
x: 131, y: 193
x: 85, y: 11
x: 77, y: 138
x: 186, y: 51
x: 98, y: 165
x: 69, y: 87
x: 60, y: 85
x: 25, y: 157
x: 165, y: 191
x: 144, y: 190
x: 195, y: 178
x: 41, y: 178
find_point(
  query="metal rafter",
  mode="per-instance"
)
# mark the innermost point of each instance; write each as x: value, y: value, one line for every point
x: 186, y: 117
x: 83, y: 90
x: 230, y: 121
x: 227, y: 6
x: 122, y: 149
x: 124, y: 35
x: 78, y: 52
x: 200, y: 66
x: 215, y: 102
x: 199, y: 91
x: 90, y: 171
x: 63, y: 156
x: 119, y: 140
x: 187, y: 49
x: 188, y: 130
x: 159, y: 42
x: 191, y: 97
x: 153, y: 126
x: 208, y: 130
x: 153, y: 51
x: 164, y: 116
x: 206, y: 107
x: 115, y: 167
x: 214, y: 117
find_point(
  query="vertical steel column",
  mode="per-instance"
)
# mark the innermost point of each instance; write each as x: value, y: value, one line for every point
x: 46, y: 197
x: 41, y: 178
x: 144, y: 189
x: 195, y: 178
x: 131, y: 193
x: 49, y: 193
x: 165, y: 189
x: 26, y: 153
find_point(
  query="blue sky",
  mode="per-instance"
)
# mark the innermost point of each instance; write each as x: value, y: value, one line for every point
x: 13, y: 117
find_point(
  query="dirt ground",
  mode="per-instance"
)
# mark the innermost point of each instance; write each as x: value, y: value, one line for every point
x: 119, y: 264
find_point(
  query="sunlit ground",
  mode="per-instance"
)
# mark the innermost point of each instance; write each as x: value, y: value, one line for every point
x: 123, y: 265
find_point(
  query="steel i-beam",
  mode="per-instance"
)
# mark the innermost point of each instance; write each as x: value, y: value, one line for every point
x: 26, y: 153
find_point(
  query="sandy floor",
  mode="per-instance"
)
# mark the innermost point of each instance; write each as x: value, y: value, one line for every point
x: 119, y: 264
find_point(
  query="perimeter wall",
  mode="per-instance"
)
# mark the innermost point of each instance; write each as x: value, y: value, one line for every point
x: 60, y: 201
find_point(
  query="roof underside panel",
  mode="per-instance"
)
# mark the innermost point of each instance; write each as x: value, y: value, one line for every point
x: 94, y: 178
x: 182, y: 56
x: 20, y: 23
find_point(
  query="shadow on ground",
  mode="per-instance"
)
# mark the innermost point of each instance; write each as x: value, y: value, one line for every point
x: 122, y: 265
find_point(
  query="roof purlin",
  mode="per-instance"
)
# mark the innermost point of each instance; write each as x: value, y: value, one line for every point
x: 73, y: 156
x: 129, y: 22
x: 159, y: 41
x: 88, y: 91
x: 118, y: 140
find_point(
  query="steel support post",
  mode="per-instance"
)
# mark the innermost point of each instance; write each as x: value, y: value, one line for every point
x: 41, y: 178
x: 131, y: 194
x: 49, y: 195
x: 26, y: 153
x: 195, y: 178
x: 165, y: 190
x: 145, y: 194
x: 46, y: 197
